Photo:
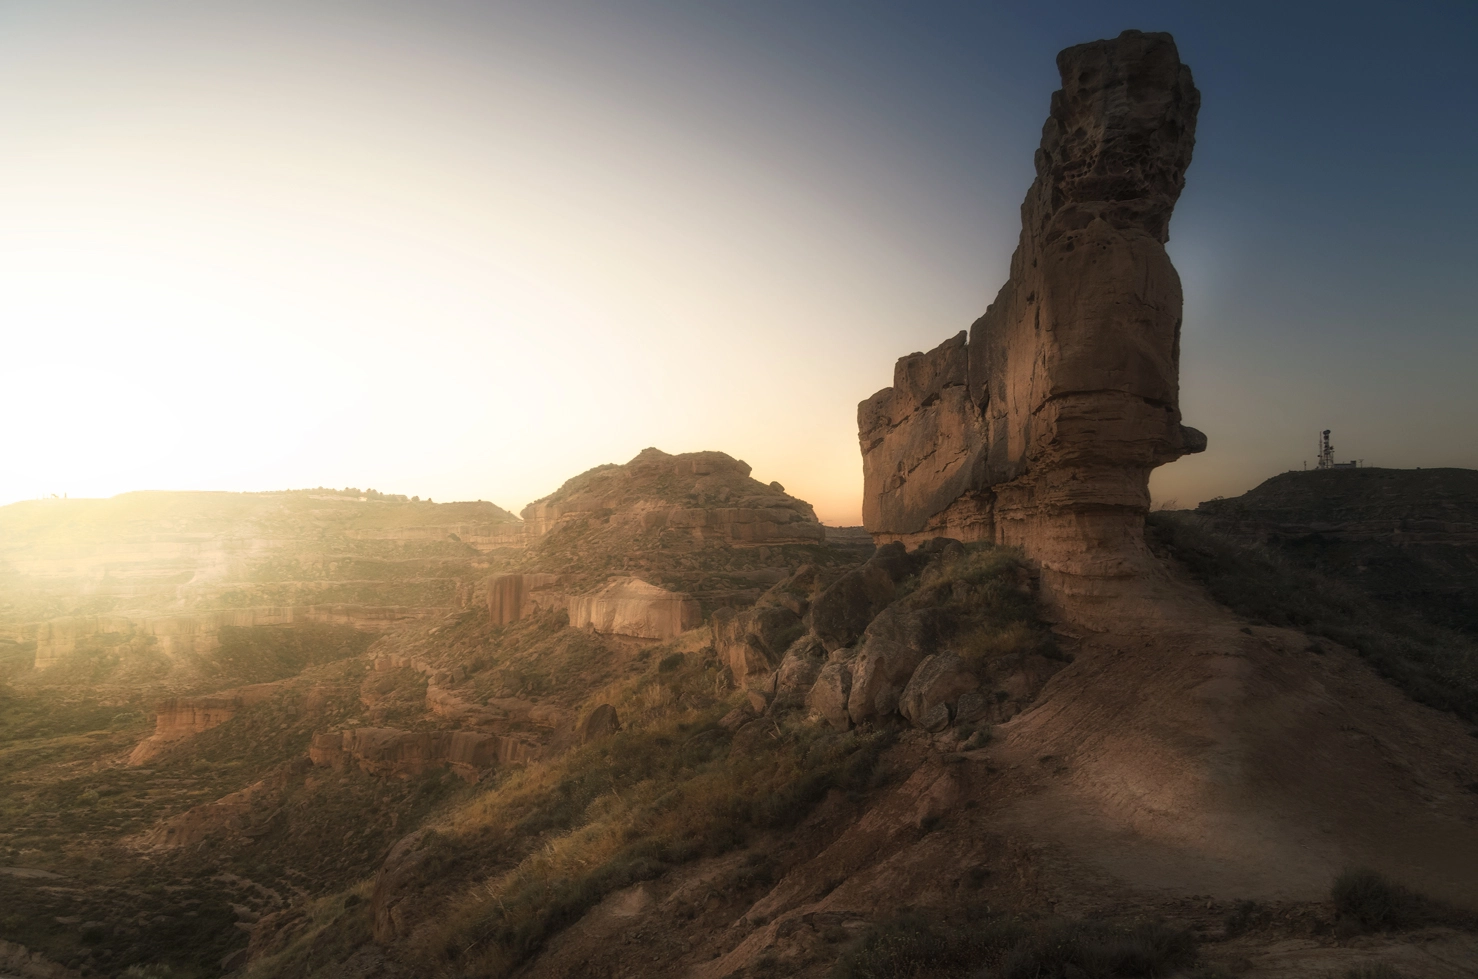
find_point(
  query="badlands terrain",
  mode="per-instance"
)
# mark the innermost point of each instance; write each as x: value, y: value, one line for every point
x: 665, y: 723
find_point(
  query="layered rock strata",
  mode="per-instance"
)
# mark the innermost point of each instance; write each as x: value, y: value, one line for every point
x: 393, y: 752
x: 511, y: 596
x: 632, y: 607
x: 1041, y: 427
x: 183, y: 717
x: 704, y: 495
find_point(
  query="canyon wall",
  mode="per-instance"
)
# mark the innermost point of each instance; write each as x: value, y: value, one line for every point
x: 393, y: 752
x: 512, y: 596
x: 631, y: 607
x: 1040, y: 428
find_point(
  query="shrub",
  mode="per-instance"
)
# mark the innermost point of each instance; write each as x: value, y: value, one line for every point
x: 912, y: 946
x: 1366, y: 901
x: 630, y: 808
x: 1372, y: 970
x: 1243, y: 917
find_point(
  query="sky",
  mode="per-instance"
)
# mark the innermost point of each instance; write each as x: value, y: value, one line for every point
x: 468, y: 250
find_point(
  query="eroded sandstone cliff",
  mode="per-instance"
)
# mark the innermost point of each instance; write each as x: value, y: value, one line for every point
x: 1041, y: 428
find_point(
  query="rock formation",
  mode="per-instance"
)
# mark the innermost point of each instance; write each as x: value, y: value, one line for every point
x: 632, y: 607
x: 1041, y: 428
x: 704, y: 495
x: 393, y: 752
x: 179, y: 718
x: 599, y: 723
x: 510, y: 596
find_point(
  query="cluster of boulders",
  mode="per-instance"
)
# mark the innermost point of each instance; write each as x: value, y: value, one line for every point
x: 883, y: 641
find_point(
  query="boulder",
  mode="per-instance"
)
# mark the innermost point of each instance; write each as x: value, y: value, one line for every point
x: 751, y: 643
x: 795, y: 592
x: 1040, y: 428
x: 938, y: 682
x: 395, y: 883
x: 798, y: 669
x: 828, y: 695
x: 599, y: 723
x: 842, y: 612
x: 972, y: 707
x: 895, y: 643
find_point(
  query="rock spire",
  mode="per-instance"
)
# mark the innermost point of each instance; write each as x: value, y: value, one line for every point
x: 1041, y: 428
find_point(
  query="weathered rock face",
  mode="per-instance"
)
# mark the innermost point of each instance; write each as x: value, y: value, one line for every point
x: 182, y: 717
x: 751, y: 643
x: 392, y: 752
x: 631, y: 607
x: 511, y: 596
x: 705, y: 495
x: 599, y: 723
x: 937, y: 683
x: 841, y: 612
x: 1041, y: 430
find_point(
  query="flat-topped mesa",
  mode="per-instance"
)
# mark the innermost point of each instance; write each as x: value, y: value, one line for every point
x: 1042, y: 428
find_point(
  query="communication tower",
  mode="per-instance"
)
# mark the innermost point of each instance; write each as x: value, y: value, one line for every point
x: 1326, y: 455
x: 1326, y: 451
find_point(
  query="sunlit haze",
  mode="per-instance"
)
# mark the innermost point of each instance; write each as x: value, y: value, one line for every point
x: 467, y: 251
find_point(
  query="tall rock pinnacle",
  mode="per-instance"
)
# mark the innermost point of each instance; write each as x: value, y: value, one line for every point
x: 1042, y: 428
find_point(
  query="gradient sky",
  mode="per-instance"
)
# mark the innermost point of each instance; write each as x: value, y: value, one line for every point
x: 467, y: 250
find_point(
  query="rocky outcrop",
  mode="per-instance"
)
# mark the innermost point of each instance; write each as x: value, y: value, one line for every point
x: 799, y: 670
x: 392, y: 752
x: 180, y: 718
x: 751, y: 642
x: 1040, y: 430
x: 929, y: 699
x: 829, y: 694
x: 705, y: 495
x: 601, y: 722
x: 183, y: 717
x: 632, y: 607
x: 841, y: 613
x: 512, y: 596
x: 17, y: 960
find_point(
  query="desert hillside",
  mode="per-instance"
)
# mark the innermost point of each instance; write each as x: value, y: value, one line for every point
x: 665, y: 723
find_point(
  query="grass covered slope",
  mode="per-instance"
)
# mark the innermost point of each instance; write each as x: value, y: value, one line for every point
x: 1434, y: 665
x: 696, y: 782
